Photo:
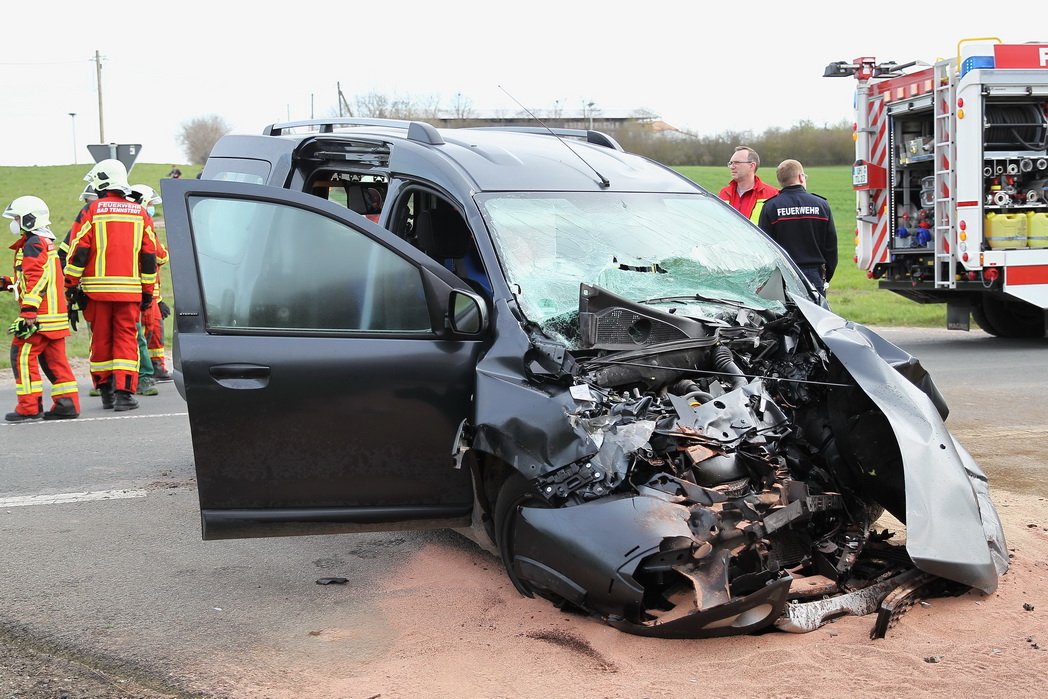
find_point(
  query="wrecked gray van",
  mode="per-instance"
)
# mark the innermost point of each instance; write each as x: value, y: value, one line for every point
x: 574, y: 355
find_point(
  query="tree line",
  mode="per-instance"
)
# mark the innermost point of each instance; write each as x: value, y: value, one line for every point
x: 812, y: 145
x: 805, y: 141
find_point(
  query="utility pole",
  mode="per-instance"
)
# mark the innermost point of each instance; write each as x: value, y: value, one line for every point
x: 98, y: 73
x: 342, y: 102
x: 73, y: 116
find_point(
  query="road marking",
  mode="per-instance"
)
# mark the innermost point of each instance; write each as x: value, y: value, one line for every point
x: 90, y: 419
x: 62, y: 498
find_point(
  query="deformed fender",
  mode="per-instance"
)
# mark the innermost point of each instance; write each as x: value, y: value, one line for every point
x: 952, y: 528
x: 522, y: 422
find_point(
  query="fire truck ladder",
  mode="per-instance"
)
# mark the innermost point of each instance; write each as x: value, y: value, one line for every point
x: 945, y: 176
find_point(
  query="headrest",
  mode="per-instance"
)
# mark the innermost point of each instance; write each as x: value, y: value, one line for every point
x: 442, y: 233
x: 355, y: 199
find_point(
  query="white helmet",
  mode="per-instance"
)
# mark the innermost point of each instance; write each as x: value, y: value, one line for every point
x: 89, y: 194
x: 145, y: 195
x: 108, y: 174
x: 31, y: 213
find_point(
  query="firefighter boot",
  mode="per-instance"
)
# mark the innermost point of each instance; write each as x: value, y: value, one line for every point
x: 124, y: 401
x: 160, y: 372
x: 147, y: 386
x: 63, y: 409
x: 106, y: 392
x: 19, y: 417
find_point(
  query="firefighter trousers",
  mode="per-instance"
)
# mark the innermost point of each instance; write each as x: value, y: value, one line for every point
x: 30, y: 356
x: 114, y: 343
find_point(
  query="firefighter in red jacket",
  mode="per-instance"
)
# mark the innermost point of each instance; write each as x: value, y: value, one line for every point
x: 746, y: 192
x: 153, y: 318
x: 42, y: 325
x: 112, y: 258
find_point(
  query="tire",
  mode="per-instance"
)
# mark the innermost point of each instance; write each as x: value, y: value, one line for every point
x: 979, y: 315
x: 516, y: 492
x: 1003, y: 317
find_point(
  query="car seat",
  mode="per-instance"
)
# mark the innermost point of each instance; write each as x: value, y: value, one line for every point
x: 443, y: 235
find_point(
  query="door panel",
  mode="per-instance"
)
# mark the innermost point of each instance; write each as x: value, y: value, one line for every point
x: 313, y: 356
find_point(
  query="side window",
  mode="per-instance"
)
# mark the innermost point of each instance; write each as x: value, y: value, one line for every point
x: 437, y: 228
x: 270, y: 266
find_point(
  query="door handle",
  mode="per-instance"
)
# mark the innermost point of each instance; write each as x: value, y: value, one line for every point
x: 240, y: 376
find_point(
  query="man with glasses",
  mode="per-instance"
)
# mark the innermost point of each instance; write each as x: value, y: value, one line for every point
x: 802, y: 224
x: 746, y: 192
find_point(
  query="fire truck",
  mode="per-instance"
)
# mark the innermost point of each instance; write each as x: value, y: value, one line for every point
x: 951, y: 182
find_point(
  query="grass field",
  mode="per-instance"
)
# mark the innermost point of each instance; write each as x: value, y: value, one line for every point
x: 851, y: 294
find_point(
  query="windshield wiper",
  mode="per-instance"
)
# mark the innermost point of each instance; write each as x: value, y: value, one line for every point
x: 696, y: 297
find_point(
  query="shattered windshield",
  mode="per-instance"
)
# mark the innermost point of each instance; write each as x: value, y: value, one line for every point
x: 686, y: 251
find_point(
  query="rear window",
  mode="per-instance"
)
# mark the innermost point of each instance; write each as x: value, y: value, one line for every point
x: 248, y: 170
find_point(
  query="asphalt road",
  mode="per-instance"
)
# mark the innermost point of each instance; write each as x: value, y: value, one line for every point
x: 108, y: 590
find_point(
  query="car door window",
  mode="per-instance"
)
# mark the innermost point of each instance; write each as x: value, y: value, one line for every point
x: 270, y: 266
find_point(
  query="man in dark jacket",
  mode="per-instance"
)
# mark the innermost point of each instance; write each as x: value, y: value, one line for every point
x: 801, y: 222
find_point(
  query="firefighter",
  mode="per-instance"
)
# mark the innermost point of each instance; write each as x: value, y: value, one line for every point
x: 42, y: 325
x: 112, y: 258
x: 746, y: 192
x: 802, y: 223
x: 153, y: 318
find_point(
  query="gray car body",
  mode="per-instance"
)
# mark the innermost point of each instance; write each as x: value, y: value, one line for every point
x: 565, y: 553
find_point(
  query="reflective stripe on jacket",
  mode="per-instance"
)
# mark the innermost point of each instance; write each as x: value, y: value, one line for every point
x: 752, y: 201
x: 113, y: 251
x: 38, y: 275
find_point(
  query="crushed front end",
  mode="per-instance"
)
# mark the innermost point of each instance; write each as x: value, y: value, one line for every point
x: 711, y: 476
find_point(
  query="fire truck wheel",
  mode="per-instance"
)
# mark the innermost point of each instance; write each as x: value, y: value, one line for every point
x: 1008, y: 318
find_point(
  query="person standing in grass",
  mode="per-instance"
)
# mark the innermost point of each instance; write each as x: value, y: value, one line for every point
x: 42, y: 326
x: 746, y: 192
x: 801, y: 222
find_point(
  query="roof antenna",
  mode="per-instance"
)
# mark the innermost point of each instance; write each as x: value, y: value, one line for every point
x: 604, y: 181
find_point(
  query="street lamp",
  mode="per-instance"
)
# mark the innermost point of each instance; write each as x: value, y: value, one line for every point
x: 73, y: 116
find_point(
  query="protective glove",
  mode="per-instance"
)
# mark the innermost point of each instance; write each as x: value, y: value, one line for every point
x: 22, y: 328
x: 76, y: 297
x: 76, y: 300
x: 147, y: 300
x: 165, y: 310
x: 7, y: 284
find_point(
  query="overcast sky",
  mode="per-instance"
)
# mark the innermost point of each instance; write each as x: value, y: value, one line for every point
x: 704, y: 67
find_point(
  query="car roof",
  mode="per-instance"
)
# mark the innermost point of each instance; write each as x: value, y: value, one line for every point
x: 491, y: 158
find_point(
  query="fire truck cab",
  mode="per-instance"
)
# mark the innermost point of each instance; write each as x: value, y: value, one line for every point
x: 951, y: 182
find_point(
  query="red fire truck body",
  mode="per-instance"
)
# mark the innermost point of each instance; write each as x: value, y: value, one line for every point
x: 951, y: 182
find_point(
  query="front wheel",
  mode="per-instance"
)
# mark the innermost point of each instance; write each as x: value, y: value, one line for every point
x: 516, y: 492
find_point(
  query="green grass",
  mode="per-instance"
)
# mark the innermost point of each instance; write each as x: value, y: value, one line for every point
x: 851, y: 294
x: 60, y: 187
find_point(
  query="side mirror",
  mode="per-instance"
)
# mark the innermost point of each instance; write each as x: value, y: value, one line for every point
x: 467, y: 313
